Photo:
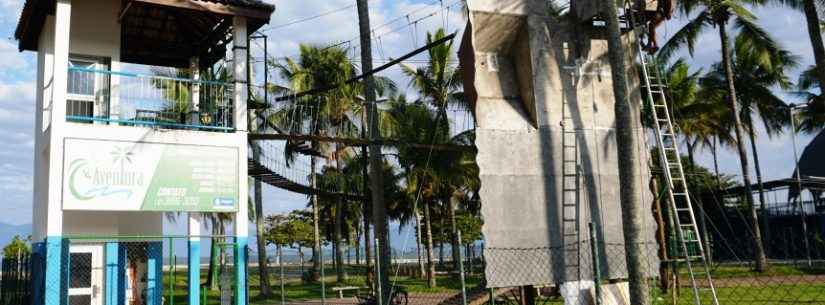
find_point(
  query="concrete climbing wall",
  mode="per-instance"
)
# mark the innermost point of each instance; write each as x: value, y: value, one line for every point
x: 527, y: 74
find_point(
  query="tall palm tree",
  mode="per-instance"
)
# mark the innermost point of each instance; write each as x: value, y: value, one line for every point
x: 379, y: 208
x: 439, y: 85
x: 332, y: 113
x: 263, y: 260
x: 720, y: 14
x: 412, y: 122
x: 757, y: 71
x: 325, y: 113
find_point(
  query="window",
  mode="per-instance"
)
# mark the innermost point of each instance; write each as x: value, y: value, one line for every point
x: 87, y: 89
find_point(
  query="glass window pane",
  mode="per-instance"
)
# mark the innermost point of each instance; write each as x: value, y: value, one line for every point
x: 81, y: 270
x: 81, y: 82
x: 80, y: 108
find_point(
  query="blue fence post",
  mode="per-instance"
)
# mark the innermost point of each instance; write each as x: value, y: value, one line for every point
x: 114, y: 279
x: 54, y: 293
x: 240, y: 270
x: 194, y: 270
x: 154, y: 276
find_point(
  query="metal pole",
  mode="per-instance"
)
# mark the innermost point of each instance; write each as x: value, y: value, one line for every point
x: 266, y: 71
x: 461, y: 271
x: 492, y: 296
x: 171, y: 274
x: 281, y: 263
x: 378, y: 274
x: 597, y: 272
x: 323, y: 280
x: 799, y: 185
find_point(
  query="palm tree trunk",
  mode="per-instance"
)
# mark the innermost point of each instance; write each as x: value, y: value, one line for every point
x: 627, y: 140
x: 664, y: 270
x: 316, y: 219
x: 379, y: 209
x: 366, y: 203
x: 211, y: 273
x: 815, y: 34
x: 367, y: 240
x: 429, y: 233
x: 263, y: 272
x: 454, y: 246
x: 716, y: 161
x: 357, y: 243
x: 762, y: 206
x: 418, y: 244
x: 441, y: 235
x: 338, y: 230
x: 339, y: 250
x: 759, y: 252
x: 301, y: 259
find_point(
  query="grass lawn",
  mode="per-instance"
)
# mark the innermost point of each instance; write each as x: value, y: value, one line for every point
x: 296, y: 290
x: 788, y: 292
x: 729, y: 271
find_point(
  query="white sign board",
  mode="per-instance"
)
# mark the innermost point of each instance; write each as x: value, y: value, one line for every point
x: 136, y: 176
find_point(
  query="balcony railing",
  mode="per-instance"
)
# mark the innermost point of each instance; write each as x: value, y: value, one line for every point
x: 162, y: 101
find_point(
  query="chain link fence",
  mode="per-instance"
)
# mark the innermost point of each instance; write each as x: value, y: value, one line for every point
x: 789, y: 278
x: 140, y: 271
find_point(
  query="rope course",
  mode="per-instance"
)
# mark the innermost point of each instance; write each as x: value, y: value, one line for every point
x: 290, y: 123
x: 376, y: 37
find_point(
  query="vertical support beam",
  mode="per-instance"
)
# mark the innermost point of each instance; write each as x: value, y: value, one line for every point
x: 240, y: 66
x: 195, y: 96
x: 113, y: 286
x: 154, y: 275
x: 240, y: 73
x: 54, y: 292
x: 194, y: 258
x: 56, y: 251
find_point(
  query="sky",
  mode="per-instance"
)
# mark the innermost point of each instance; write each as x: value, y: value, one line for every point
x: 391, y: 21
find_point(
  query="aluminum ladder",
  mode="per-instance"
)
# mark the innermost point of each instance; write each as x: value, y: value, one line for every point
x: 670, y: 159
x: 571, y: 195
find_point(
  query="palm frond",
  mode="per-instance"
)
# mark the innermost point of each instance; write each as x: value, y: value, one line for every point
x: 686, y: 36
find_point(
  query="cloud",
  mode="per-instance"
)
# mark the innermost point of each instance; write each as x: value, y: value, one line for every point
x: 10, y: 11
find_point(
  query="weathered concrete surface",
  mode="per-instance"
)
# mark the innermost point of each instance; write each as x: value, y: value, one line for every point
x: 521, y: 75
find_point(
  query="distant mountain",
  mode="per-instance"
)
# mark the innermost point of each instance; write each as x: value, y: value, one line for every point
x: 8, y: 231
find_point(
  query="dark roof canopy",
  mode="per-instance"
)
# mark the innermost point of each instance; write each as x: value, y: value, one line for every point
x: 162, y: 32
x: 812, y: 163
